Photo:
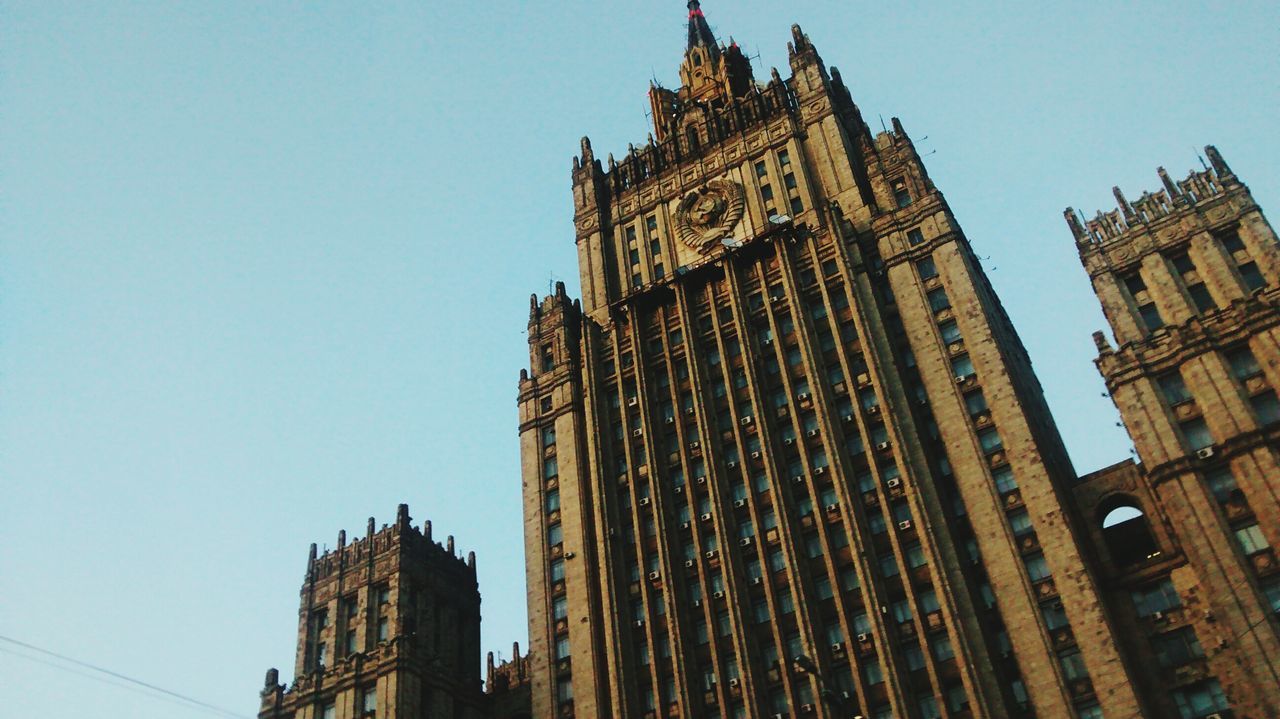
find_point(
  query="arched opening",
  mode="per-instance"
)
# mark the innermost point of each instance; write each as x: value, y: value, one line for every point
x: 1126, y: 532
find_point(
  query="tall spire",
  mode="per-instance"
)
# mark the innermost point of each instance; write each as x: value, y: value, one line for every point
x: 700, y: 31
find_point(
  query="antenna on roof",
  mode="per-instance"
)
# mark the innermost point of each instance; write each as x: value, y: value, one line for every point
x: 882, y: 125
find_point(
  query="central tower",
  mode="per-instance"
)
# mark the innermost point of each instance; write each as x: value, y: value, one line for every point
x: 789, y: 418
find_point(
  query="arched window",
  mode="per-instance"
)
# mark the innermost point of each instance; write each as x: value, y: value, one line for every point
x: 1126, y: 532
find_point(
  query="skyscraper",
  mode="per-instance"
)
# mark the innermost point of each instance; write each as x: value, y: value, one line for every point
x: 1189, y: 280
x: 789, y: 418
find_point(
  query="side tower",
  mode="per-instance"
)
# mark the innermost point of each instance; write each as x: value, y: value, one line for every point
x: 389, y: 627
x: 1189, y: 280
x: 789, y: 456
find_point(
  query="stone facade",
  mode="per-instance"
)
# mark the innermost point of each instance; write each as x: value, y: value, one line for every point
x: 389, y: 628
x: 1189, y: 280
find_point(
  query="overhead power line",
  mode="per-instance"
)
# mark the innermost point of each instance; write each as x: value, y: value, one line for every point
x: 122, y: 680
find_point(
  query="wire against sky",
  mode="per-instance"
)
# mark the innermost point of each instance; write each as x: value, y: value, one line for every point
x: 124, y: 681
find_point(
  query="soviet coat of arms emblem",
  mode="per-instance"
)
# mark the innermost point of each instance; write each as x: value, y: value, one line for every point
x: 707, y: 215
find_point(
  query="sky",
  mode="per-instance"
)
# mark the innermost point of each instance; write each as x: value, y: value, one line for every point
x: 265, y: 269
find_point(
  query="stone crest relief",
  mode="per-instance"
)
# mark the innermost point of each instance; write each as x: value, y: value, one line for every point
x: 707, y: 215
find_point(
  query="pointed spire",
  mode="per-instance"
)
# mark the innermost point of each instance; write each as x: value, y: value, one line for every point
x: 700, y: 32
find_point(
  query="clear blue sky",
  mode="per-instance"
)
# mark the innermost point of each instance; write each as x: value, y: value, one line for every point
x: 264, y: 268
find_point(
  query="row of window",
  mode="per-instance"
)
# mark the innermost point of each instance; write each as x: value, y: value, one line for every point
x: 366, y: 703
x: 1245, y: 369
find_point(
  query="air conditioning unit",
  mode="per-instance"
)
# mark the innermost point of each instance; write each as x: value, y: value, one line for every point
x: 864, y: 637
x: 733, y: 683
x: 904, y: 524
x: 789, y: 441
x: 633, y: 401
x: 873, y: 409
x: 894, y: 483
x: 745, y: 421
x: 705, y: 516
x: 803, y: 396
x: 744, y: 542
x: 637, y: 432
x: 798, y: 479
x: 688, y: 411
x: 1205, y: 453
x: 820, y: 471
x: 806, y: 708
x: 688, y: 564
x: 711, y: 554
x: 922, y: 401
x: 679, y: 490
x: 848, y: 418
x: 882, y: 446
x: 700, y: 479
x: 684, y: 525
x: 1214, y: 715
x: 695, y: 444
x: 837, y: 647
x: 638, y: 623
x: 833, y: 507
x: 697, y: 602
x: 811, y: 433
x: 961, y: 379
x: 863, y: 378
x: 731, y: 464
x: 739, y: 503
x: 757, y: 581
x: 653, y: 576
x: 755, y: 455
x: 670, y: 420
x: 645, y: 501
x: 766, y: 342
x: 1157, y: 616
x: 718, y: 595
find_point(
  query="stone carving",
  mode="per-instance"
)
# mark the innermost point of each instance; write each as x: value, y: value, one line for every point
x: 706, y: 215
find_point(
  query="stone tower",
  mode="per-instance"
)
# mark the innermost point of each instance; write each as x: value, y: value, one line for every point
x: 787, y: 455
x: 1189, y: 280
x: 388, y: 628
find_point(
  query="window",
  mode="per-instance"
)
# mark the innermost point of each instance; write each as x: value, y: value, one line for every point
x: 555, y: 535
x: 548, y: 436
x: 1251, y: 539
x: 557, y: 570
x: 789, y: 180
x: 761, y: 169
x: 548, y: 358
x: 1201, y: 700
x: 1200, y: 297
x: 562, y: 647
x: 1150, y: 315
x: 962, y: 367
x: 913, y: 656
x: 1037, y: 569
x: 901, y: 195
x: 553, y: 501
x: 560, y: 608
x: 914, y: 237
x: 927, y: 269
x: 1243, y: 364
x: 1176, y: 648
x: 766, y: 192
x: 1196, y: 433
x: 950, y: 331
x: 796, y: 208
x: 1221, y: 483
x: 1271, y: 591
x: 872, y: 673
x: 550, y: 468
x: 1020, y: 522
x: 976, y: 402
x: 990, y: 440
x: 1173, y: 388
x: 929, y: 708
x: 1158, y: 597
x: 1055, y: 617
x: 564, y: 690
x: 369, y: 702
x: 938, y: 300
x: 941, y: 648
x: 1265, y: 407
x: 1004, y: 480
x: 329, y: 711
x: 915, y: 556
x: 1072, y: 664
x: 1253, y: 279
x: 1090, y: 711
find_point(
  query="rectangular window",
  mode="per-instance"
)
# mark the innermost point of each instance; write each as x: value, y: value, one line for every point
x: 553, y: 501
x: 1004, y: 480
x: 1173, y: 388
x: 789, y: 180
x: 950, y: 331
x: 548, y: 436
x: 761, y: 169
x: 990, y: 440
x: 941, y: 648
x: 927, y: 269
x: 938, y: 300
x: 1221, y: 483
x: 1150, y: 315
x: 564, y: 690
x: 796, y: 206
x: 1243, y: 364
x: 1197, y: 434
x: 555, y: 535
x: 1020, y: 522
x: 784, y: 159
x: 560, y: 607
x: 1265, y: 407
x: 329, y: 711
x: 1055, y: 617
x: 766, y: 192
x: 975, y: 402
x: 557, y: 570
x: 1176, y: 648
x: 562, y: 647
x: 901, y: 195
x: 1072, y: 664
x: 1252, y: 277
x: 1158, y: 597
x: 914, y: 237
x: 548, y: 358
x: 1037, y: 569
x: 1251, y: 539
x: 962, y: 367
x: 1200, y: 700
x: 550, y: 469
x: 1200, y: 297
x: 369, y: 703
